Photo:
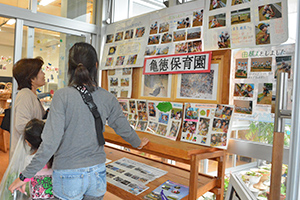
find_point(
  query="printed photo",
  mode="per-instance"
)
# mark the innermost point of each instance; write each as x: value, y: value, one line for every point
x: 150, y: 50
x: 215, y: 4
x: 120, y: 60
x: 227, y: 113
x: 126, y: 71
x: 114, y: 91
x: 193, y: 33
x: 132, y: 106
x: 132, y: 59
x: 264, y: 95
x: 124, y: 93
x: 109, y: 61
x: 140, y: 32
x: 218, y: 139
x: 189, y: 127
x: 163, y: 118
x: 216, y: 21
x: 126, y: 115
x: 162, y: 50
x: 141, y: 126
x: 110, y: 38
x: 204, y: 140
x: 125, y: 81
x: 270, y: 11
x: 132, y: 123
x: 142, y: 115
x: 220, y: 125
x: 197, y: 85
x: 154, y: 39
x: 205, y: 112
x: 241, y: 68
x: 240, y: 16
x: 179, y: 35
x: 111, y: 72
x: 156, y: 85
x: 166, y: 38
x: 262, y: 34
x: 128, y: 34
x: 162, y: 129
x: 237, y: 2
x: 189, y: 137
x: 112, y: 50
x: 124, y: 106
x: 164, y: 27
x: 142, y: 105
x: 195, y: 46
x: 261, y: 64
x: 191, y: 112
x: 283, y: 64
x: 243, y: 90
x: 203, y: 126
x: 184, y: 23
x: 152, y: 127
x: 181, y: 47
x: 119, y: 36
x: 197, y: 18
x: 243, y: 107
x: 152, y: 109
x: 176, y: 113
x: 224, y: 40
x: 153, y: 28
x: 219, y: 111
x: 174, y: 129
x: 114, y: 81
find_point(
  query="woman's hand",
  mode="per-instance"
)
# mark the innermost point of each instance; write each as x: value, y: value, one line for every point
x: 143, y: 143
x: 18, y: 185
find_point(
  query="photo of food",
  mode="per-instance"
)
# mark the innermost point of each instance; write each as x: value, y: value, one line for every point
x: 109, y: 61
x: 237, y: 2
x: 150, y: 50
x: 164, y: 27
x: 270, y: 11
x: 193, y: 33
x: 119, y: 36
x: 140, y: 32
x: 197, y: 18
x: 262, y: 34
x: 263, y: 64
x: 224, y: 40
x: 203, y: 126
x: 215, y: 4
x: 195, y: 46
x: 216, y: 21
x: 243, y: 107
x: 283, y: 64
x: 184, y: 23
x: 112, y: 50
x: 240, y: 16
x: 264, y: 93
x: 128, y: 34
x: 110, y: 38
x: 179, y: 35
x: 153, y: 28
x: 241, y: 68
x: 243, y: 90
x: 154, y: 39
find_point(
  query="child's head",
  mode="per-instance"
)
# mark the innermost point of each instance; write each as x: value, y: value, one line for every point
x: 33, y: 132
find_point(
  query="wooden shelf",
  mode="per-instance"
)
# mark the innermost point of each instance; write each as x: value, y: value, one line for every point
x: 175, y: 150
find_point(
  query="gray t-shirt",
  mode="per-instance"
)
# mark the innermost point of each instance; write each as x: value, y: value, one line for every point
x: 70, y: 135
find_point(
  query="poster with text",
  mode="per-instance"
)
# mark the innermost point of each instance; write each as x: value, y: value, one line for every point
x: 254, y: 72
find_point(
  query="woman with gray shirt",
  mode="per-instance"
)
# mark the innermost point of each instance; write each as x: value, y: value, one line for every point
x: 70, y: 135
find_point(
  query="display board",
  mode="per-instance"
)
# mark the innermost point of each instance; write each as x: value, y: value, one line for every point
x: 244, y: 23
x: 120, y: 82
x: 253, y: 77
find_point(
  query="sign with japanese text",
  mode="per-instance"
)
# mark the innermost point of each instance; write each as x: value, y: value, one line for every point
x: 178, y: 63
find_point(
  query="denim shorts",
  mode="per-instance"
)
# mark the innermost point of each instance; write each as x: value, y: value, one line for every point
x: 73, y: 184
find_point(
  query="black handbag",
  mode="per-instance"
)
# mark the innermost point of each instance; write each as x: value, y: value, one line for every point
x: 5, y: 125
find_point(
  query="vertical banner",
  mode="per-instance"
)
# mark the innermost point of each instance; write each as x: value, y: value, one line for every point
x: 253, y: 80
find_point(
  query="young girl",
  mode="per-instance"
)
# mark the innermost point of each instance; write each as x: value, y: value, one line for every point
x: 41, y: 184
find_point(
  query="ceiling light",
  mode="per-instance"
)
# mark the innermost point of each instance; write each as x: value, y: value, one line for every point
x: 11, y: 22
x: 45, y: 2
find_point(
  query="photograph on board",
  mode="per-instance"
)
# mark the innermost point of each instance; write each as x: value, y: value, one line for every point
x: 241, y: 68
x: 224, y: 40
x: 283, y: 64
x: 197, y: 18
x: 216, y: 21
x: 215, y: 4
x: 240, y: 16
x: 264, y: 95
x: 243, y: 107
x: 262, y: 34
x: 270, y: 11
x: 263, y: 64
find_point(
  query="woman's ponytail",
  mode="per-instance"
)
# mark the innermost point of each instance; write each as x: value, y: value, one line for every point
x: 82, y: 76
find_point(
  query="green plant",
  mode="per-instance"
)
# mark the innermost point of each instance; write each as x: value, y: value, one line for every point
x: 283, y: 189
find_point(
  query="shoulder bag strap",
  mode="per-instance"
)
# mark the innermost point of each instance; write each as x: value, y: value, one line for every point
x: 88, y: 100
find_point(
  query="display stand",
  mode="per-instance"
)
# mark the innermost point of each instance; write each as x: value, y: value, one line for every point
x: 187, y: 153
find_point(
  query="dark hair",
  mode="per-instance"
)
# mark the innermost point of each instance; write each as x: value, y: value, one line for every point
x: 25, y: 70
x: 82, y: 65
x: 33, y: 133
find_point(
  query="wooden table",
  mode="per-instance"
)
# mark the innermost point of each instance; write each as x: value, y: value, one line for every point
x: 183, y: 152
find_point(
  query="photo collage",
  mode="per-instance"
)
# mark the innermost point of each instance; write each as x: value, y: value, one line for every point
x: 120, y: 82
x: 254, y: 75
x: 207, y: 124
x: 240, y: 23
x: 155, y: 117
x: 131, y: 176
